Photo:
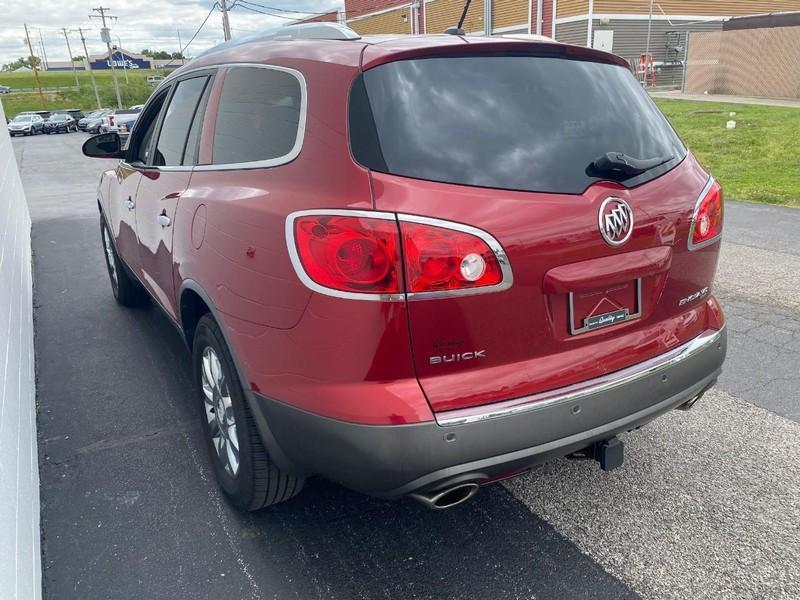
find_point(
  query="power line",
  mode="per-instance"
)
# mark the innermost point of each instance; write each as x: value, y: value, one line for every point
x: 189, y: 43
x: 286, y: 10
x: 239, y: 4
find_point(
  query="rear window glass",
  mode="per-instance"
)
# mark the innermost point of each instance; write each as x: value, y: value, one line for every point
x: 516, y: 122
x: 258, y: 117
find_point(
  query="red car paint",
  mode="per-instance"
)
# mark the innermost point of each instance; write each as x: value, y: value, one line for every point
x: 370, y: 362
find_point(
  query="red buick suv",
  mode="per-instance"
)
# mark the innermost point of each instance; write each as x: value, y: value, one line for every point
x: 415, y: 265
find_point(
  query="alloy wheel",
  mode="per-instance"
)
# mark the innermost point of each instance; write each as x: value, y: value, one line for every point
x: 219, y: 411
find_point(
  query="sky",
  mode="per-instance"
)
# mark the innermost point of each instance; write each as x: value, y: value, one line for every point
x: 152, y: 24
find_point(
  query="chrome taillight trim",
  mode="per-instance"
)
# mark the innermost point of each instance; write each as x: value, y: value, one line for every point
x: 294, y: 255
x: 583, y: 389
x: 494, y: 245
x: 693, y: 222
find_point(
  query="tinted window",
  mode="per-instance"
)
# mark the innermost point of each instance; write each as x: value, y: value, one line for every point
x: 258, y: 116
x: 177, y: 120
x: 193, y: 141
x: 139, y: 144
x: 515, y: 122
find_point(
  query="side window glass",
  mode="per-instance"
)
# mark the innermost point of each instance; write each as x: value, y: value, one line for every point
x: 258, y: 117
x: 139, y: 142
x: 177, y: 120
x: 192, y: 142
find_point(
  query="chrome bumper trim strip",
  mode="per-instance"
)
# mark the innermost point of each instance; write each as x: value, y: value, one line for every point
x: 570, y: 393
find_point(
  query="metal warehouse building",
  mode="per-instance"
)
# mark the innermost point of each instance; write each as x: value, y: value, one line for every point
x: 626, y: 27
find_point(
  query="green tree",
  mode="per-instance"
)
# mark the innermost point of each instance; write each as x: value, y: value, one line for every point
x: 23, y: 62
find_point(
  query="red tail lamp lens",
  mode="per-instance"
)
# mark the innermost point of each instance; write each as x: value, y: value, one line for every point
x: 708, y: 216
x: 352, y: 254
x: 445, y: 259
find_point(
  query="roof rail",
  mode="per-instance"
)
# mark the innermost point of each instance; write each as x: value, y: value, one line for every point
x: 310, y: 31
x: 301, y: 31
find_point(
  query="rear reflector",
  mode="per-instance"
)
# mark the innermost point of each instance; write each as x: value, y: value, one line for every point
x: 360, y: 255
x: 706, y: 226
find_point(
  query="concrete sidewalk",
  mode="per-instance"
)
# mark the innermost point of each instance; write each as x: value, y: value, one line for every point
x: 676, y: 95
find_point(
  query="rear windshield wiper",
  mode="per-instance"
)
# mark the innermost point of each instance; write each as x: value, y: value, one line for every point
x: 617, y: 163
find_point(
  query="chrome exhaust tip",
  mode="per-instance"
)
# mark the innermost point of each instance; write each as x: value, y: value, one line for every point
x: 447, y: 498
x: 688, y: 405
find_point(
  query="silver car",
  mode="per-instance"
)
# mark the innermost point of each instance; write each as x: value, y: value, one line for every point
x: 25, y: 125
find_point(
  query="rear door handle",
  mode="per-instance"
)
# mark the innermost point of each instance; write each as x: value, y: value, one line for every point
x: 129, y: 204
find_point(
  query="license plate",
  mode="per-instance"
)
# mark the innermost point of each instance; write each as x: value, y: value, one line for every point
x: 604, y: 320
x: 591, y: 310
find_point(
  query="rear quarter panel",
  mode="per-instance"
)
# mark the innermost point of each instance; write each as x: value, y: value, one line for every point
x: 297, y: 346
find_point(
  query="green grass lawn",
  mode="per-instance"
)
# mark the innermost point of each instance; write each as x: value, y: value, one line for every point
x: 759, y: 161
x: 60, y: 91
x: 58, y: 79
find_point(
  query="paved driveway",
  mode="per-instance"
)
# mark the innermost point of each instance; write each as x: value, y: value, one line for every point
x: 707, y: 504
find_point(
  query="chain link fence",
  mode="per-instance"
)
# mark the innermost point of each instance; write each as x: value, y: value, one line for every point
x: 749, y: 62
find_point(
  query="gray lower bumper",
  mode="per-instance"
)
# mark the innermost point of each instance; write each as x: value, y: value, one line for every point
x: 391, y: 461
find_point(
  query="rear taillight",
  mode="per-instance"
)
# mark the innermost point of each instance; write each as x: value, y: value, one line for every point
x: 349, y: 253
x: 706, y: 225
x: 355, y: 254
x: 441, y: 259
x: 111, y: 120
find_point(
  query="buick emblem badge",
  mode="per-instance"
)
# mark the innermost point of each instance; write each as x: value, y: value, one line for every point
x: 615, y: 220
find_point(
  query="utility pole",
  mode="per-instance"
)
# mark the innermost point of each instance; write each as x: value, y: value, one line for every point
x: 226, y: 26
x: 647, y: 51
x: 89, y: 68
x: 124, y: 69
x: 33, y: 64
x: 180, y: 46
x: 71, y: 62
x: 107, y: 39
x: 44, y: 51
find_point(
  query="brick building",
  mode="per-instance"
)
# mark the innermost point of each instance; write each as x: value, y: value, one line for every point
x: 620, y: 26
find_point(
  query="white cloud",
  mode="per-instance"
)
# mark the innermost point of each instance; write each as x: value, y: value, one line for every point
x: 150, y: 24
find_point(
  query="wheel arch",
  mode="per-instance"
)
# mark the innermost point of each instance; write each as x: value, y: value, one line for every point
x: 193, y: 303
x: 192, y: 299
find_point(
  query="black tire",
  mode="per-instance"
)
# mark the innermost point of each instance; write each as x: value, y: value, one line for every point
x: 127, y: 290
x: 257, y: 481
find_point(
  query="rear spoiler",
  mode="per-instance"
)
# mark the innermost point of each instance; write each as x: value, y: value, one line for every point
x: 382, y: 53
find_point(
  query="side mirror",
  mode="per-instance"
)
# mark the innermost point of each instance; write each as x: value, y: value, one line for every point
x: 104, y: 145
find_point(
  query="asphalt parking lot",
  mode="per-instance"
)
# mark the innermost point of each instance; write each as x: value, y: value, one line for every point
x: 707, y: 504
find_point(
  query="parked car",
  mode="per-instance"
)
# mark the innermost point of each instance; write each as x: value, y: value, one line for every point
x: 415, y: 266
x: 125, y: 123
x: 25, y: 124
x: 154, y: 80
x: 112, y: 121
x: 75, y: 113
x: 60, y: 123
x: 44, y: 114
x: 92, y: 121
x: 4, y: 89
